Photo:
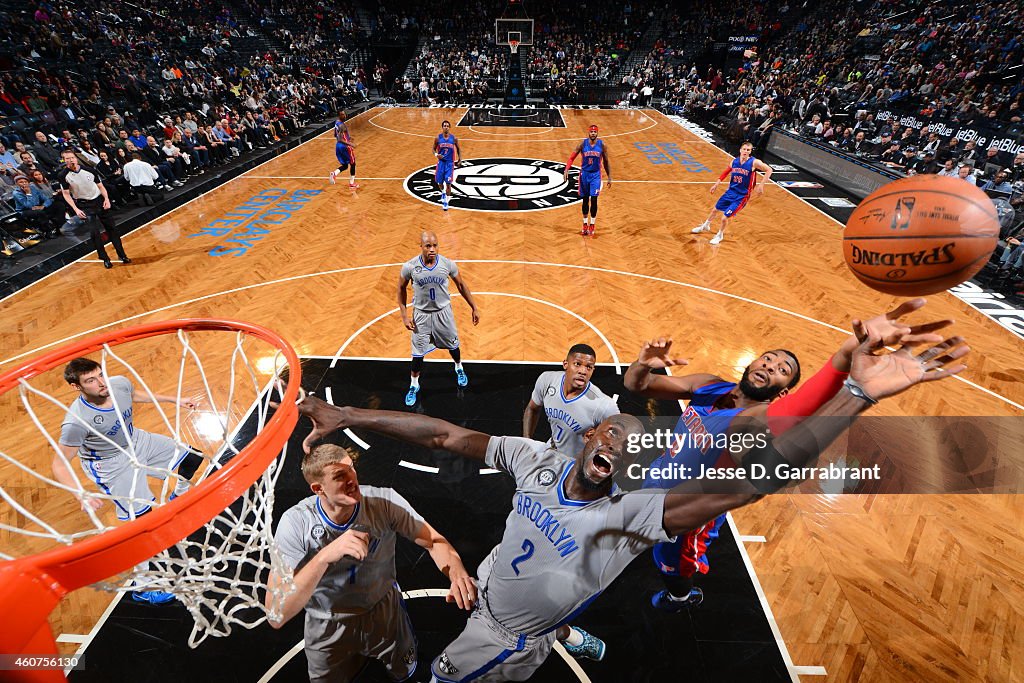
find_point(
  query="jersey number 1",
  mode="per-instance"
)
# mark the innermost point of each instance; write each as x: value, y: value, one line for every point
x: 528, y: 547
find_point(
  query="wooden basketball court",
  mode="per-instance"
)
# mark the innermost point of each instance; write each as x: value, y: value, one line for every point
x: 861, y: 587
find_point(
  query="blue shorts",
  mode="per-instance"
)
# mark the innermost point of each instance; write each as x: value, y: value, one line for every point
x: 686, y: 555
x: 445, y: 172
x: 590, y: 183
x: 344, y: 154
x: 730, y: 203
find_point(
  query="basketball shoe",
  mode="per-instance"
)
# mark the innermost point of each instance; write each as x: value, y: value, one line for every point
x: 664, y: 600
x: 591, y: 647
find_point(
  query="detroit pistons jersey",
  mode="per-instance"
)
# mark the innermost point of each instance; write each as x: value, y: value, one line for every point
x: 742, y: 178
x: 699, y: 436
x: 446, y: 147
x: 592, y: 156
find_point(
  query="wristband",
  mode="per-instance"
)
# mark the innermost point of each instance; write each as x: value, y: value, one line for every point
x: 858, y: 391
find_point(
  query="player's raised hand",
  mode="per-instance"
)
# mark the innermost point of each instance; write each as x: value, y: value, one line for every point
x: 463, y: 590
x: 353, y: 543
x: 891, y: 330
x: 882, y: 374
x: 326, y: 418
x: 654, y: 354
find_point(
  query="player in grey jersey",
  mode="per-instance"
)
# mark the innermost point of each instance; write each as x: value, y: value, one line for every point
x: 341, y: 544
x: 570, y: 533
x: 432, y: 323
x: 571, y: 403
x: 105, y: 407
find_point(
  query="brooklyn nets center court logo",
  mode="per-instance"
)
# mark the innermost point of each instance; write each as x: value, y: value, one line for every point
x: 501, y: 185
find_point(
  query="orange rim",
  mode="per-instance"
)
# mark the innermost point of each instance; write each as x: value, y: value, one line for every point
x: 31, y: 586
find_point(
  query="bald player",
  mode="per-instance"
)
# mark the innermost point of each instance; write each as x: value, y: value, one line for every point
x: 432, y: 323
x: 571, y: 403
x: 570, y: 533
x: 340, y: 542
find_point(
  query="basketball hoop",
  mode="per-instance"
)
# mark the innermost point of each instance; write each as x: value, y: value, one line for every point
x: 514, y: 46
x: 231, y: 495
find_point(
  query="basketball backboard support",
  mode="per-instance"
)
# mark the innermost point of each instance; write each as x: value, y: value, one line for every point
x: 513, y: 29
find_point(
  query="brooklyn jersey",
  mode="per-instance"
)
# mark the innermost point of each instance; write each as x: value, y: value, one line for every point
x: 592, y: 156
x: 348, y: 587
x: 430, y: 285
x: 742, y: 177
x: 558, y: 554
x: 112, y: 423
x: 570, y: 418
x: 446, y: 148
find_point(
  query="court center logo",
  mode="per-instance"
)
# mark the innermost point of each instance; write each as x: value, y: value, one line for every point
x: 501, y: 184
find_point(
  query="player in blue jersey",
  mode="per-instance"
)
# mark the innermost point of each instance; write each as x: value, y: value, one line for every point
x: 345, y: 150
x: 742, y: 185
x: 447, y: 153
x: 595, y: 153
x: 714, y: 403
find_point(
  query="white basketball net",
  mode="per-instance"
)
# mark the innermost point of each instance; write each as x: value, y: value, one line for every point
x: 219, y: 572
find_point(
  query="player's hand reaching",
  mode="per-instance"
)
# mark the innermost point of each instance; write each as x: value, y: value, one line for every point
x: 882, y: 374
x: 655, y: 354
x: 326, y: 419
x: 353, y: 543
x: 463, y: 590
x: 891, y: 330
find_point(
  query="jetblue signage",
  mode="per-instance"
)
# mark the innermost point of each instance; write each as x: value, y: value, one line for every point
x: 950, y: 129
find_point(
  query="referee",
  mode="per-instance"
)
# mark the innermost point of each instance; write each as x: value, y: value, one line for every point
x: 84, y: 192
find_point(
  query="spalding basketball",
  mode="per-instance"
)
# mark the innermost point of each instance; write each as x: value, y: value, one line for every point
x: 920, y: 235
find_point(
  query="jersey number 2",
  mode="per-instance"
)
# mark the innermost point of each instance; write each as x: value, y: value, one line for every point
x: 528, y: 547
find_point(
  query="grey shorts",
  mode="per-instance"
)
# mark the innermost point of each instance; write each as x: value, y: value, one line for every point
x: 487, y: 652
x: 337, y: 647
x: 434, y: 330
x: 115, y: 475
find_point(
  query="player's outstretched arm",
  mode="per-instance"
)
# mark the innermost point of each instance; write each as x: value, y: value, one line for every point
x: 874, y: 377
x: 421, y: 430
x: 448, y: 561
x: 655, y: 354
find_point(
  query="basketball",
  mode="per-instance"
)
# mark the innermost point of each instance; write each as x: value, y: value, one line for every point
x: 920, y: 235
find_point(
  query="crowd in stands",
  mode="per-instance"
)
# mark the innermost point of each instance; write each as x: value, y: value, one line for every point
x: 163, y: 81
x: 572, y: 46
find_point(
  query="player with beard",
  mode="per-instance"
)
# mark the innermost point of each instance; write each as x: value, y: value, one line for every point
x: 701, y: 433
x: 570, y: 532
